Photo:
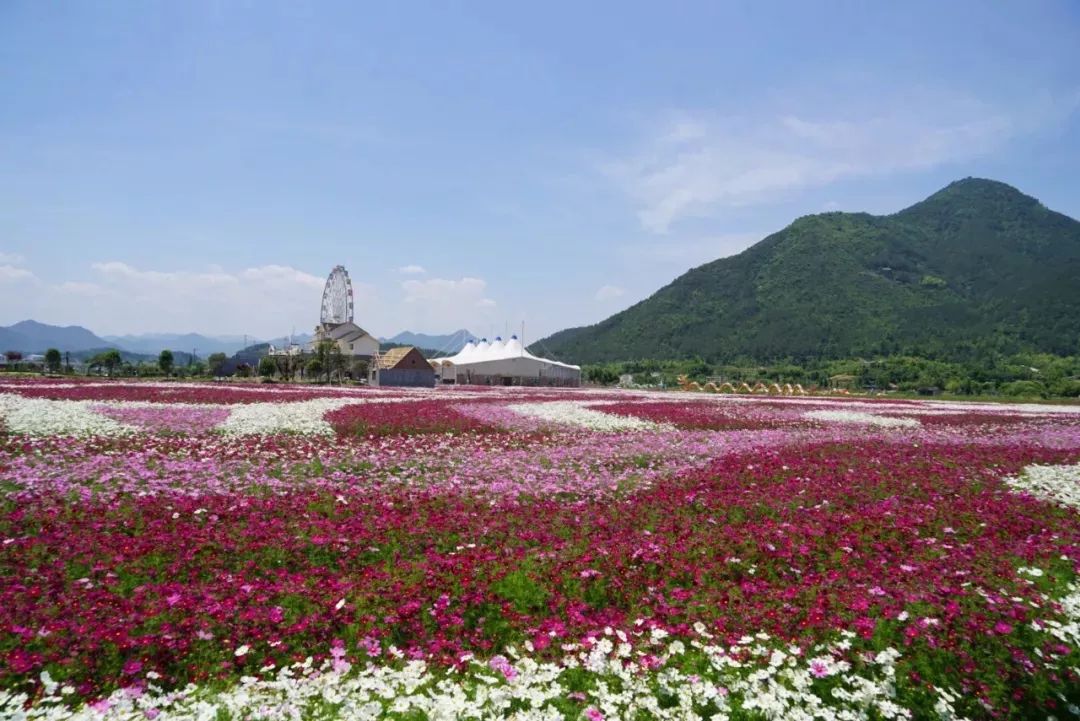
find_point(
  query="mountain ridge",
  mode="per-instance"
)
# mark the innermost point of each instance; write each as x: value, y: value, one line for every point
x: 976, y: 266
x: 449, y: 342
x: 31, y: 336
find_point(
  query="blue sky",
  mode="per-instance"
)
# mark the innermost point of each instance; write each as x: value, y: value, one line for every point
x: 201, y: 166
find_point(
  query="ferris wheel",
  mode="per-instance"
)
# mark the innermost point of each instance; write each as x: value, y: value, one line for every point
x: 337, y: 297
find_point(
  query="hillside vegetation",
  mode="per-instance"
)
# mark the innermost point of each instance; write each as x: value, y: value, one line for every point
x: 976, y: 268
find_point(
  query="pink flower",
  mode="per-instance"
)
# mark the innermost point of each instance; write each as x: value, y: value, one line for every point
x: 593, y: 714
x: 503, y: 666
x: 819, y: 669
x: 371, y: 646
x: 132, y: 667
x: 1002, y: 628
x: 101, y: 705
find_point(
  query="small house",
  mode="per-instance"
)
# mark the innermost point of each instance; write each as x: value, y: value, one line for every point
x: 403, y: 367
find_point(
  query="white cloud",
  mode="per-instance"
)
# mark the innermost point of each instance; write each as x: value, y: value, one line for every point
x: 697, y: 165
x: 265, y: 300
x: 9, y: 273
x: 440, y: 304
x: 86, y: 289
x: 412, y: 270
x: 609, y: 292
x: 11, y: 259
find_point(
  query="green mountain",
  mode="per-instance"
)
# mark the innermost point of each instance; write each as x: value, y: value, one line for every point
x: 978, y: 267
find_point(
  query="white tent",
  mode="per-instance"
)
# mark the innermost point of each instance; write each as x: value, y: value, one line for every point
x: 504, y: 363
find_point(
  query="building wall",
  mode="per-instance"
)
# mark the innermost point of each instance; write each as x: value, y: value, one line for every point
x: 407, y: 377
x: 478, y: 379
x: 521, y: 371
x: 364, y: 346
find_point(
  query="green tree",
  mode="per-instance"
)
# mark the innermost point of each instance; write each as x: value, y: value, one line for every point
x: 165, y: 362
x: 110, y: 360
x: 329, y: 360
x: 216, y: 362
x: 603, y: 375
x: 267, y: 367
x: 338, y: 363
x: 287, y: 366
x: 53, y: 360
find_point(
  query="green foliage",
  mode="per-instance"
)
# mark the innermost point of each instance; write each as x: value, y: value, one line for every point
x: 53, y: 360
x: 267, y: 368
x: 328, y: 362
x: 109, y: 360
x: 601, y: 375
x: 976, y: 271
x: 1031, y: 375
x: 521, y: 590
x: 1024, y: 388
x: 165, y: 362
x: 216, y: 362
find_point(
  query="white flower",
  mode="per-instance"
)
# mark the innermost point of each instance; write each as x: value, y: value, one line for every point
x: 575, y: 413
x: 242, y: 650
x: 305, y: 417
x: 1057, y: 484
x: 857, y: 417
x: 42, y: 417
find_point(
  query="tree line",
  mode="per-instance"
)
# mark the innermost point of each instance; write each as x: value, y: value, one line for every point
x: 325, y: 363
x: 1038, y: 375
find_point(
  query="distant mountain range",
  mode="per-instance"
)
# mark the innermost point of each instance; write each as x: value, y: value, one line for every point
x: 30, y: 336
x: 976, y: 268
x: 154, y: 343
x: 450, y: 343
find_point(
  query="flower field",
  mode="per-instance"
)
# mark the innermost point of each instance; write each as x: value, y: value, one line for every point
x: 250, y: 551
